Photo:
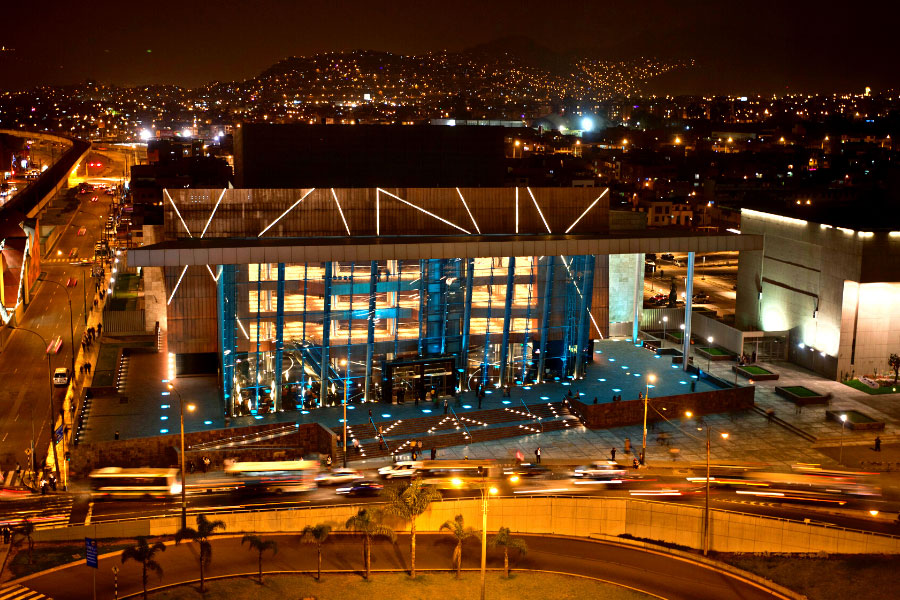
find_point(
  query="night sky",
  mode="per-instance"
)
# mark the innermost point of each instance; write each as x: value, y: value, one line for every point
x: 740, y: 47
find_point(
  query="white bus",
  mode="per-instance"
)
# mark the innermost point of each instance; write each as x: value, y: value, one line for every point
x: 117, y: 482
x: 458, y: 474
x: 275, y: 476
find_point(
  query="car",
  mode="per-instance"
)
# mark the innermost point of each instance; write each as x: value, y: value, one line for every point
x: 600, y: 469
x: 338, y: 476
x: 361, y: 488
x: 668, y: 256
x: 61, y: 377
x: 81, y: 231
x: 84, y: 262
x: 55, y: 345
x: 73, y: 253
x: 701, y: 297
x: 400, y: 469
x: 71, y: 282
x: 94, y: 198
x: 527, y: 471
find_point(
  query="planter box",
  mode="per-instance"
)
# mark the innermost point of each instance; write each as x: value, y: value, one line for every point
x: 856, y: 420
x: 797, y: 396
x: 716, y: 354
x: 756, y: 376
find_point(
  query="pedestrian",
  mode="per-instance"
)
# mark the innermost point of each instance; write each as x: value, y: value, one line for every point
x: 99, y: 329
x: 417, y: 398
x: 770, y: 414
x: 569, y: 393
x: 877, y: 444
x: 798, y: 408
x: 446, y: 406
x: 434, y: 454
x: 191, y: 466
x: 206, y: 463
x: 612, y: 453
x: 52, y: 482
x: 370, y: 413
x: 328, y: 461
x: 694, y: 386
x: 117, y: 434
x: 595, y: 399
x: 356, y: 444
x: 6, y: 534
x: 537, y: 455
x: 634, y: 463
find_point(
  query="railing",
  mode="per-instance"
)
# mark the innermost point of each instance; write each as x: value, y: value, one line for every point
x: 459, y: 421
x: 242, y: 440
x: 533, y: 416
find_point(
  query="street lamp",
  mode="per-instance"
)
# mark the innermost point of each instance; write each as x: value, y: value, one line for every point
x: 71, y: 327
x: 843, y: 421
x: 52, y: 420
x: 665, y: 323
x: 190, y: 407
x: 485, y: 494
x: 650, y: 379
x: 724, y: 435
x: 709, y: 354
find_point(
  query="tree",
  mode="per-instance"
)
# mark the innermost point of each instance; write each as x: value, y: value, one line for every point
x: 144, y: 553
x: 505, y: 541
x: 458, y: 530
x: 316, y: 534
x: 205, y: 529
x: 407, y: 503
x: 894, y: 362
x: 369, y: 524
x: 24, y: 532
x: 260, y: 545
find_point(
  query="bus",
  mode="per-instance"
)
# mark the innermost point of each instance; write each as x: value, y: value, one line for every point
x: 275, y: 476
x: 117, y: 482
x: 458, y: 474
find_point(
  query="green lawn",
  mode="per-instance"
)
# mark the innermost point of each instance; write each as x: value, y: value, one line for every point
x: 47, y: 556
x: 717, y: 351
x: 799, y: 390
x: 755, y: 370
x: 521, y: 586
x: 863, y: 577
x: 859, y: 385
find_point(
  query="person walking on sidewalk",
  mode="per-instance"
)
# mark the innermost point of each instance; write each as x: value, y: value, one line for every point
x: 446, y: 406
x: 877, y: 444
x: 537, y: 455
x: 612, y: 453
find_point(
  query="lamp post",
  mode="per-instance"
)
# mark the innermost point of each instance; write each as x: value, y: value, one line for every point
x: 71, y: 326
x: 346, y: 391
x: 190, y: 407
x: 52, y: 420
x: 706, y: 502
x: 485, y: 494
x: 709, y: 354
x: 843, y: 421
x: 665, y: 323
x: 650, y: 379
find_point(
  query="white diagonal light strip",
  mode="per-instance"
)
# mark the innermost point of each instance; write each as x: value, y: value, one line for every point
x: 175, y: 289
x: 517, y: 210
x: 302, y: 198
x: 467, y: 210
x: 208, y: 268
x: 538, y: 209
x: 241, y: 325
x: 347, y: 227
x: 178, y: 213
x: 430, y: 214
x: 566, y: 265
x: 572, y: 226
x: 213, y: 213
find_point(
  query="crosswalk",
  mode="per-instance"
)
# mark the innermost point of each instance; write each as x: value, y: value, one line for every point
x: 19, y: 592
x: 44, y: 511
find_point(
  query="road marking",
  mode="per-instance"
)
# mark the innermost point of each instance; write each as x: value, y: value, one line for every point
x: 4, y: 436
x: 87, y: 519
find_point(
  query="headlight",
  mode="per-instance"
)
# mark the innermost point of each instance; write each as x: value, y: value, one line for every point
x: 456, y: 481
x: 514, y: 479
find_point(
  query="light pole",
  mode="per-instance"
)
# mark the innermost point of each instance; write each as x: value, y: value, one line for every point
x: 190, y: 407
x: 843, y: 421
x: 665, y: 323
x: 650, y: 379
x: 485, y: 494
x: 71, y: 326
x: 346, y: 391
x: 709, y: 354
x: 52, y: 420
x: 724, y: 435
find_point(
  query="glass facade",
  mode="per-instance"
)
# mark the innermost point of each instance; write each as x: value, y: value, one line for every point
x: 297, y: 336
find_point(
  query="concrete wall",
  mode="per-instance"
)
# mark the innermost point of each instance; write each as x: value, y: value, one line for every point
x: 580, y: 517
x: 723, y: 335
x: 621, y: 287
x: 161, y: 451
x: 870, y: 328
x: 631, y: 411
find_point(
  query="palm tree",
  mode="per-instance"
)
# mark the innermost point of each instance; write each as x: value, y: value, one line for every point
x: 316, y: 534
x: 458, y: 530
x: 24, y: 532
x: 145, y: 554
x: 369, y: 524
x: 260, y: 545
x: 407, y: 503
x: 205, y: 529
x: 503, y: 540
